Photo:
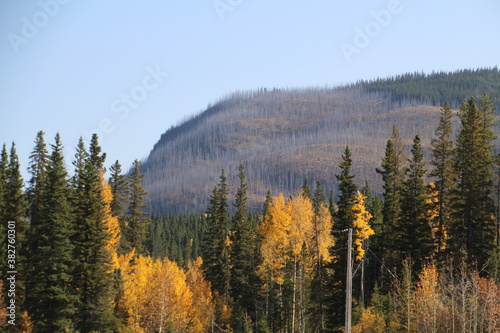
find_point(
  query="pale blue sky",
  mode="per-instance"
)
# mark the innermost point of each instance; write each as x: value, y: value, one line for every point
x: 74, y: 66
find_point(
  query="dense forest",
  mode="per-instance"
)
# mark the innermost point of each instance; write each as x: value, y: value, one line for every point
x: 82, y: 251
x: 88, y: 257
x: 285, y: 135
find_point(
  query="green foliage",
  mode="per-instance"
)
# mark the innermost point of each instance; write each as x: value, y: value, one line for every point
x: 93, y: 272
x: 439, y: 87
x: 472, y: 232
x: 306, y: 190
x: 16, y: 209
x: 4, y: 160
x: 215, y: 250
x: 177, y: 237
x: 118, y: 183
x: 393, y: 177
x: 137, y: 220
x: 443, y: 152
x: 51, y: 301
x: 416, y: 241
x: 244, y: 256
x: 343, y: 219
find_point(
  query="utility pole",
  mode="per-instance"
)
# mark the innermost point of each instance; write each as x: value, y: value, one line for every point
x: 348, y: 291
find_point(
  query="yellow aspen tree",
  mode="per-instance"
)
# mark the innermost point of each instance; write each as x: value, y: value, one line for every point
x: 438, y: 227
x: 427, y: 296
x: 370, y: 322
x: 323, y: 225
x: 275, y: 240
x: 362, y: 229
x: 111, y: 224
x: 301, y: 230
x: 171, y: 300
x: 203, y: 300
x: 489, y: 300
x: 137, y: 291
x: 301, y: 235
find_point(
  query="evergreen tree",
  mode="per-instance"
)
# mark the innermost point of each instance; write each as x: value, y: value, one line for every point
x: 374, y: 205
x: 79, y: 164
x: 119, y: 189
x: 393, y: 177
x: 16, y: 210
x: 244, y: 281
x: 52, y: 301
x: 137, y: 219
x: 344, y: 219
x: 4, y: 164
x: 95, y: 157
x: 306, y: 190
x: 267, y: 203
x: 36, y: 186
x: 416, y: 241
x: 317, y: 298
x: 443, y: 152
x: 472, y: 232
x: 93, y: 272
x: 214, y: 245
x: 118, y: 183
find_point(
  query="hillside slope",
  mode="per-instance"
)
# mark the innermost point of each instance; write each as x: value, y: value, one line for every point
x: 285, y: 136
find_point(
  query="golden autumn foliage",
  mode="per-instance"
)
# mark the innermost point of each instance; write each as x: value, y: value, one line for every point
x: 202, y: 296
x: 275, y: 241
x: 323, y: 226
x: 429, y: 309
x: 461, y: 301
x: 111, y: 224
x: 301, y: 232
x: 362, y: 230
x: 161, y: 296
x: 290, y: 228
x: 370, y: 322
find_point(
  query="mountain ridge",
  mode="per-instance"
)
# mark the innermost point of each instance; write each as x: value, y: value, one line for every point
x: 283, y: 136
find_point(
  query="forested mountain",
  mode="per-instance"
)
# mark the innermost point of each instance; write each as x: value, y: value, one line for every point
x: 283, y: 136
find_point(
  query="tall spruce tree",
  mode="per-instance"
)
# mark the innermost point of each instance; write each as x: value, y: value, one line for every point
x: 119, y: 189
x: 392, y: 177
x: 306, y: 190
x: 344, y: 219
x: 4, y: 164
x: 52, y: 302
x: 472, y: 231
x: 317, y: 297
x: 214, y: 247
x: 416, y: 241
x: 36, y: 185
x: 137, y: 219
x: 370, y: 269
x: 17, y: 211
x: 244, y: 281
x: 93, y: 272
x: 443, y: 153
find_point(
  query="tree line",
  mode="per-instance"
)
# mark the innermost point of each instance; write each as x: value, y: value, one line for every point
x: 438, y: 87
x: 302, y: 133
x: 82, y: 257
x: 427, y: 254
